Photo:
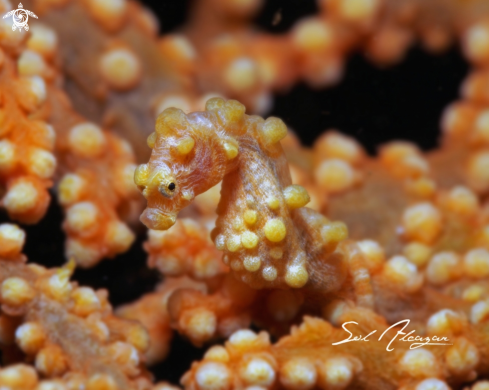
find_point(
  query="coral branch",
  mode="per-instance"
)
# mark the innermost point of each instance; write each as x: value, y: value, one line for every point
x: 65, y: 329
x: 27, y: 139
x: 308, y: 358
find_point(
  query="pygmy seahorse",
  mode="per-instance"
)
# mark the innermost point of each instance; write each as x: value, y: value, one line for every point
x: 268, y: 237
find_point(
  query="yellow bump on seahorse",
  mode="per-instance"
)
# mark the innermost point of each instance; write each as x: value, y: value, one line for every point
x: 275, y: 230
x: 296, y: 196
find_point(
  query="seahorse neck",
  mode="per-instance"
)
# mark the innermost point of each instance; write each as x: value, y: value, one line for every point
x: 253, y: 159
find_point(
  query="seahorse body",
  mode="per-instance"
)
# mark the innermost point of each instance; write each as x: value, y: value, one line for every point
x: 268, y: 237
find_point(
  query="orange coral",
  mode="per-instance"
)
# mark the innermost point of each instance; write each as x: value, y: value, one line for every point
x: 56, y: 140
x: 93, y: 212
x: 185, y: 249
x: 27, y: 141
x: 119, y: 52
x: 64, y: 328
x: 308, y: 358
x: 151, y: 311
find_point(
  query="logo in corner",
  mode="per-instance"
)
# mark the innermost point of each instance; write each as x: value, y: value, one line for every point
x: 20, y: 17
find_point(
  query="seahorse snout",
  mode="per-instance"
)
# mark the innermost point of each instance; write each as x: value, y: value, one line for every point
x: 157, y: 220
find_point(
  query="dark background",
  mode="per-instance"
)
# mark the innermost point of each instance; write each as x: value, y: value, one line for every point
x: 373, y: 105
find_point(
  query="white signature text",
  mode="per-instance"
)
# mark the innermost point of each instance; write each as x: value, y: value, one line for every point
x: 416, y: 341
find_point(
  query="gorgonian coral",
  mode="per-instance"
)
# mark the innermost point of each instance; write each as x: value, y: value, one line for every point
x: 27, y: 139
x: 62, y: 328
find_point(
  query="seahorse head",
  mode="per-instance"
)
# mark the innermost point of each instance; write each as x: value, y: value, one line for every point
x: 189, y: 156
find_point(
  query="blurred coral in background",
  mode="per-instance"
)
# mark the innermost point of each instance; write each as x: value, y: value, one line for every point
x: 400, y: 235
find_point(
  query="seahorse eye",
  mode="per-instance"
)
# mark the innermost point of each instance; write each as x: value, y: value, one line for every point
x: 167, y: 189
